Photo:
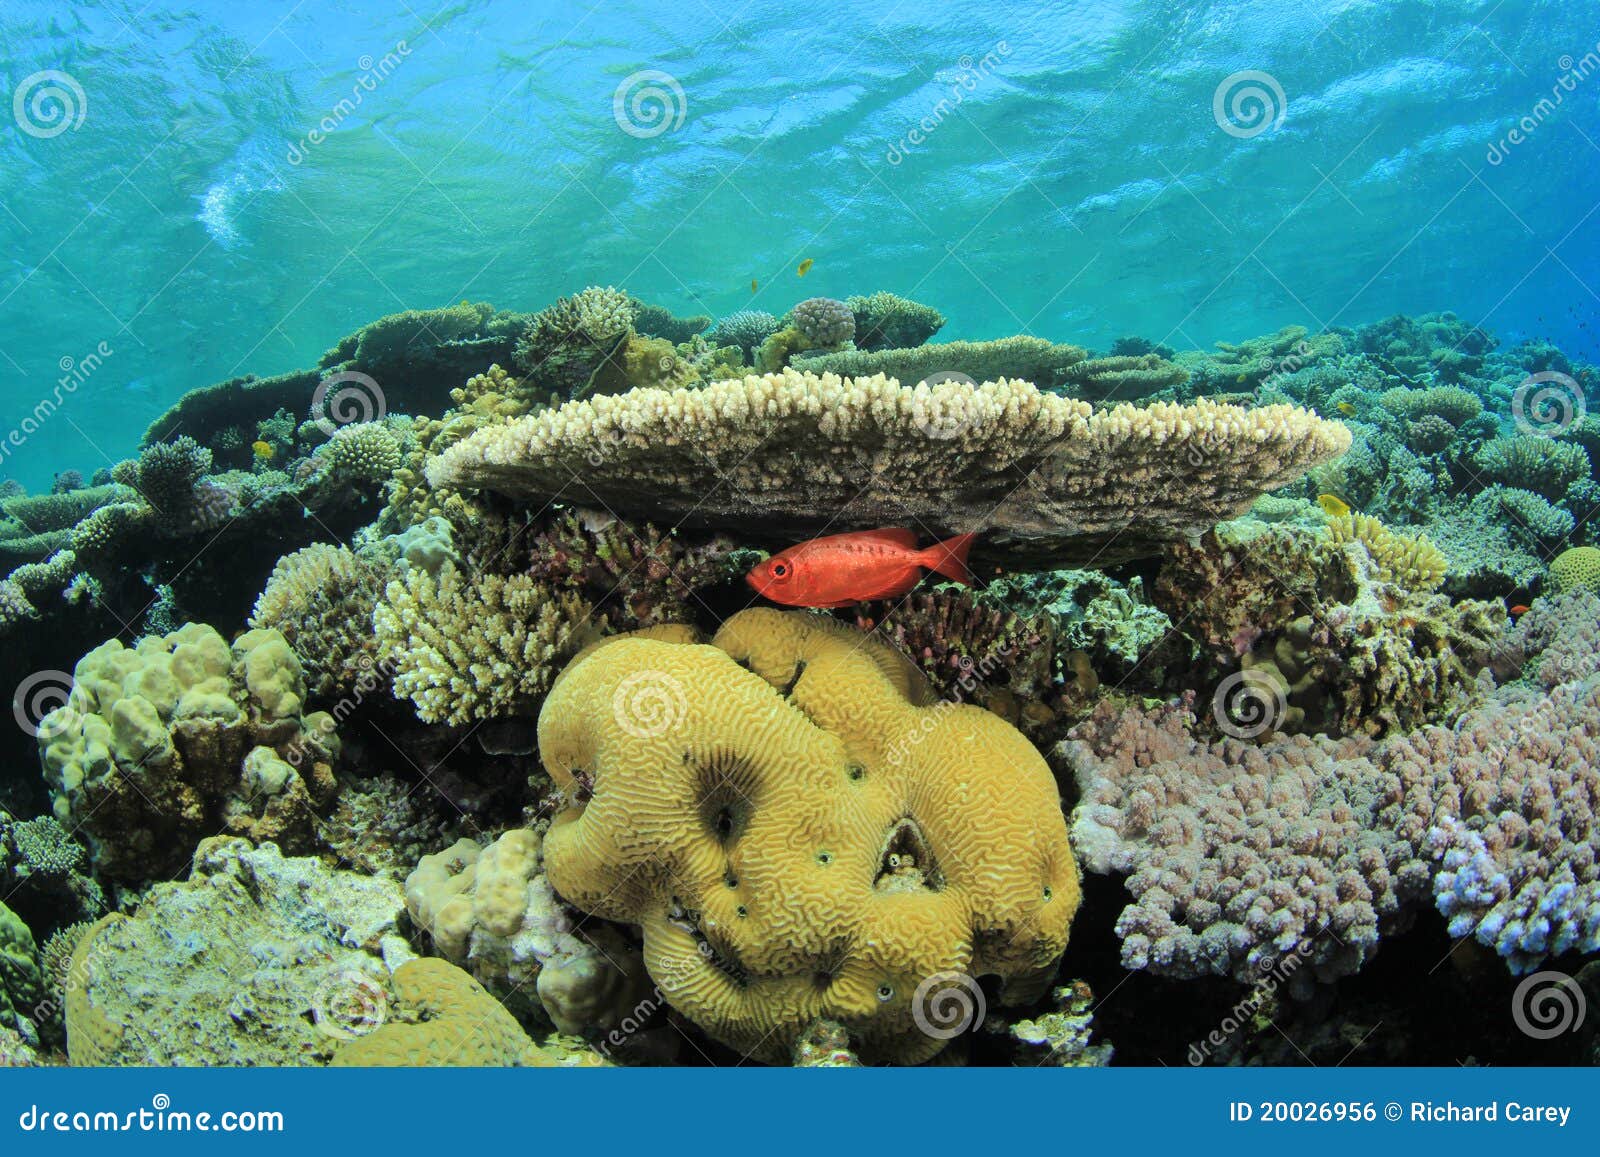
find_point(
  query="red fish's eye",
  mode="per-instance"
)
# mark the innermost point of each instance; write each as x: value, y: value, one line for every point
x: 780, y: 570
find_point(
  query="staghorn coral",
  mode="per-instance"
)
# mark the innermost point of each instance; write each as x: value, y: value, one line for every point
x: 44, y: 872
x: 14, y: 605
x: 1029, y: 359
x: 320, y: 599
x: 180, y: 737
x: 1576, y: 568
x: 492, y: 910
x: 1049, y: 477
x: 824, y: 323
x: 255, y: 959
x: 482, y: 648
x: 1412, y: 563
x: 886, y: 321
x: 799, y: 834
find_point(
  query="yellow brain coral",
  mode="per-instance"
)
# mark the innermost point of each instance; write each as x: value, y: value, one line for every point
x: 1576, y: 568
x: 800, y: 833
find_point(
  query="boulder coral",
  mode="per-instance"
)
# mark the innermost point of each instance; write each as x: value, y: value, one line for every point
x: 800, y: 833
x: 182, y: 736
x: 1048, y: 479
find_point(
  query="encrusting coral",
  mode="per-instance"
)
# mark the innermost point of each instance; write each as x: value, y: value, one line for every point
x: 255, y: 959
x: 1048, y: 478
x: 800, y: 833
x: 182, y: 736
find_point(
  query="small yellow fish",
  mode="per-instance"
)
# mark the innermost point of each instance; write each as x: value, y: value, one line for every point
x: 1333, y: 506
x: 263, y: 451
x: 1347, y: 409
x: 754, y: 285
x: 805, y: 267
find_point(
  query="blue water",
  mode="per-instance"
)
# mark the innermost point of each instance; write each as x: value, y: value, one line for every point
x: 1084, y: 186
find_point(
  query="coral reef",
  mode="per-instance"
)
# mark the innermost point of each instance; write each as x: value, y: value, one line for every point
x: 823, y: 323
x: 320, y: 599
x: 564, y: 344
x: 816, y: 853
x: 183, y: 736
x: 1050, y: 478
x: 21, y: 988
x: 1027, y: 359
x: 1576, y: 568
x: 887, y: 321
x: 746, y: 329
x: 44, y: 873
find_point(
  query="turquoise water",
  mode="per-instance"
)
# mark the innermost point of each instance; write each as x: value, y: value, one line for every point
x: 1082, y: 187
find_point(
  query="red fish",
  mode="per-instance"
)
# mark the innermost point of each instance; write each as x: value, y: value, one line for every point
x: 843, y: 569
x: 1518, y: 611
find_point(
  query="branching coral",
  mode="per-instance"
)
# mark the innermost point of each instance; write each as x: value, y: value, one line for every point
x: 1049, y: 478
x: 320, y: 599
x: 1413, y: 564
x: 481, y: 648
x: 180, y: 737
x: 1532, y: 462
x: 800, y: 834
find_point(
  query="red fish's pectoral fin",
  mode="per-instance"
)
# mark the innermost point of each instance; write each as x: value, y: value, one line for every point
x: 949, y: 558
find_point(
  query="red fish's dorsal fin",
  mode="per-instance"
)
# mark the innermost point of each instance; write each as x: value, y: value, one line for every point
x: 949, y: 558
x: 890, y: 537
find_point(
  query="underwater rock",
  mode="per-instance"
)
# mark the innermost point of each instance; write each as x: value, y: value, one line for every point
x: 257, y: 959
x: 1046, y: 478
x: 182, y: 736
x: 763, y: 841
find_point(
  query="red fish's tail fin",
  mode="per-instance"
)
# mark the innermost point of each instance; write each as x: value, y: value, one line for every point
x: 949, y: 558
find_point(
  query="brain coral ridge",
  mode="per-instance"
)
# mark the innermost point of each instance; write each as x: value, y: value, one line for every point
x: 1051, y: 479
x: 800, y: 833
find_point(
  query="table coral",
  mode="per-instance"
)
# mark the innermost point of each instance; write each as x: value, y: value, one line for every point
x: 182, y: 736
x: 800, y: 833
x: 1050, y: 478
